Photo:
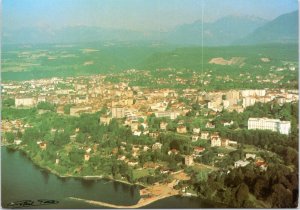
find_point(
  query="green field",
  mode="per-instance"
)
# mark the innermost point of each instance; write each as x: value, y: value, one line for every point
x: 158, y: 65
x: 142, y: 173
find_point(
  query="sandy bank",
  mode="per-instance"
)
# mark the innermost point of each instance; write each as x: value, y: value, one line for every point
x: 150, y: 193
x: 142, y: 202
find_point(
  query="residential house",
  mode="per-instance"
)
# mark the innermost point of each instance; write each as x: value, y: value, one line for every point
x: 241, y: 163
x: 134, y: 126
x: 228, y: 123
x: 132, y: 163
x: 105, y: 120
x: 204, y: 135
x: 121, y: 157
x: 43, y: 145
x: 261, y: 164
x: 196, y: 130
x: 137, y: 133
x: 86, y: 157
x: 216, y: 141
x: 181, y: 129
x: 153, y: 134
x: 173, y: 151
x: 145, y: 125
x: 156, y: 146
x: 195, y: 138
x: 232, y: 143
x: 224, y: 142
x: 252, y: 156
x: 17, y: 141
x: 209, y: 125
x: 198, y: 150
x: 88, y: 150
x: 163, y: 125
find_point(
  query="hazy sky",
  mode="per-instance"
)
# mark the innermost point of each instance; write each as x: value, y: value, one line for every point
x: 138, y: 15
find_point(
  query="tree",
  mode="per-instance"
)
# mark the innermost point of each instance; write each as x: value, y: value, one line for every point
x: 123, y: 169
x: 8, y: 102
x: 150, y: 180
x: 31, y: 135
x: 46, y: 106
x: 80, y: 137
x: 260, y: 187
x: 10, y: 137
x: 115, y: 169
x: 291, y: 156
x: 61, y: 138
x: 242, y: 194
x: 67, y: 108
x: 281, y: 197
x: 130, y: 175
x: 175, y: 145
x: 44, y: 127
x: 48, y: 137
x: 201, y: 176
x: 76, y: 156
x: 19, y: 134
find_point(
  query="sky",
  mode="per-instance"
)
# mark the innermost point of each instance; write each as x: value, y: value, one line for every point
x: 138, y: 15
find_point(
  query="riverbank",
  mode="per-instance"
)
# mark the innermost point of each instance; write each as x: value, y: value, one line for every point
x: 142, y: 202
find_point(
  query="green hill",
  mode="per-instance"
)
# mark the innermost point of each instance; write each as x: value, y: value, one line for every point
x: 44, y: 61
x: 191, y: 58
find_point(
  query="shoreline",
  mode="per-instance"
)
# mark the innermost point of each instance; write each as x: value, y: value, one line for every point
x: 141, y: 203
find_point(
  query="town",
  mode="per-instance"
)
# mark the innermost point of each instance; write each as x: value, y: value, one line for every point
x: 89, y: 127
x: 149, y: 104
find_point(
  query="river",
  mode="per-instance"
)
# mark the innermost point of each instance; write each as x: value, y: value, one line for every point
x: 22, y: 180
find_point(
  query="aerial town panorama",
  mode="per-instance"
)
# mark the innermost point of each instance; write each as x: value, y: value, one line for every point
x: 145, y: 121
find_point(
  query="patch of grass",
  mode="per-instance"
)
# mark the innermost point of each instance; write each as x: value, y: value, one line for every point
x: 251, y: 149
x: 142, y: 173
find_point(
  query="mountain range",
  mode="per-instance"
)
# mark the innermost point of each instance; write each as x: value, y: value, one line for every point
x: 237, y: 30
x: 283, y: 29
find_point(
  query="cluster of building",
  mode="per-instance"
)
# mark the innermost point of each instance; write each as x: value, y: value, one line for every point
x: 90, y: 94
x: 132, y: 103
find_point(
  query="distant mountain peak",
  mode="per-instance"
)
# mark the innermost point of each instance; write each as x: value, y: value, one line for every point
x: 283, y: 29
x: 228, y: 30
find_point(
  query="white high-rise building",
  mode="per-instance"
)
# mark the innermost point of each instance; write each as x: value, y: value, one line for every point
x: 283, y: 127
